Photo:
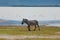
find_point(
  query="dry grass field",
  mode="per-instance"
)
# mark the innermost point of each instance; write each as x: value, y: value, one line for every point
x: 22, y: 31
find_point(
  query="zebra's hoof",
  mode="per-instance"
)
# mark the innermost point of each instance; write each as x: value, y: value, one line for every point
x: 29, y: 30
x: 39, y: 29
x: 34, y: 30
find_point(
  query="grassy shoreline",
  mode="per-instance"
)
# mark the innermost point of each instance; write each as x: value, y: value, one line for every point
x: 18, y: 30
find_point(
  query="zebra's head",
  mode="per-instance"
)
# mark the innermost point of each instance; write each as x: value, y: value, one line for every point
x: 24, y: 21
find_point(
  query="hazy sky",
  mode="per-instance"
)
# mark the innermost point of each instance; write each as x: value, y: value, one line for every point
x: 38, y: 13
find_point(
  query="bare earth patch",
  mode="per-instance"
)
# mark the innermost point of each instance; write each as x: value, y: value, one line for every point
x: 12, y: 37
x: 57, y: 32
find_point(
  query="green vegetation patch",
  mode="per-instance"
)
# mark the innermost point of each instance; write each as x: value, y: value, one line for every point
x: 18, y: 30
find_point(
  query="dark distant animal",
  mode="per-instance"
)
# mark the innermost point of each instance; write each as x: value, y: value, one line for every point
x: 31, y: 22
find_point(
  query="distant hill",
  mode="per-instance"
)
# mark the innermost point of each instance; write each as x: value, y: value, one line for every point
x: 48, y: 22
x: 9, y: 22
x: 18, y: 23
x: 1, y: 20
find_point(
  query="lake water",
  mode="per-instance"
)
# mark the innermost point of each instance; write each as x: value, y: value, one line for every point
x: 28, y: 2
x: 53, y: 25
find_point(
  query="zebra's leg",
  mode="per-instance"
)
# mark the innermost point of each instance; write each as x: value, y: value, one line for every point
x: 29, y: 27
x: 38, y: 27
x: 35, y: 28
